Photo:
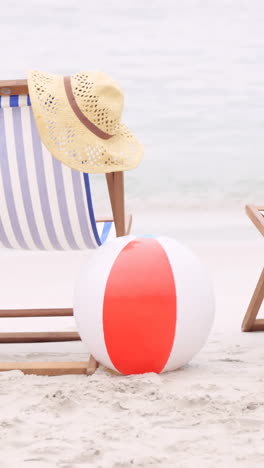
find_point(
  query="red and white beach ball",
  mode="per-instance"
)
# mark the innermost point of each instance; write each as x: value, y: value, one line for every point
x: 143, y: 304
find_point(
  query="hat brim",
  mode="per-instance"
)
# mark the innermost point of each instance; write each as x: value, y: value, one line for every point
x: 69, y: 140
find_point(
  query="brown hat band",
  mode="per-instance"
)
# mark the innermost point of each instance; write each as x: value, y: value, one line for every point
x: 78, y: 112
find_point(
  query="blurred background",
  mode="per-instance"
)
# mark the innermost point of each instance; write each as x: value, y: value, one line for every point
x: 192, y: 72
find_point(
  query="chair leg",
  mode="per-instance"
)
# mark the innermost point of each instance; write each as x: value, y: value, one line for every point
x: 49, y: 368
x: 15, y: 313
x: 37, y: 337
x: 250, y: 323
x: 92, y: 366
x: 115, y: 183
x: 52, y: 368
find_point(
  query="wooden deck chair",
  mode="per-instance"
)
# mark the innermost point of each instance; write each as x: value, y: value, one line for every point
x: 250, y: 322
x: 45, y: 205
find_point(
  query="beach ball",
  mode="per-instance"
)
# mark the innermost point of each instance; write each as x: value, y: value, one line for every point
x: 143, y: 304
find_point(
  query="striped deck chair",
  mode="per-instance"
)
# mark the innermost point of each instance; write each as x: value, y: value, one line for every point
x: 250, y: 322
x: 45, y: 205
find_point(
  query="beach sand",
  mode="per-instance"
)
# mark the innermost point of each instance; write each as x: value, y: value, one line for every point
x: 208, y: 414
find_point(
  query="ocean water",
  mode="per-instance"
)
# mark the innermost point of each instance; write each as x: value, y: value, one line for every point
x: 192, y: 72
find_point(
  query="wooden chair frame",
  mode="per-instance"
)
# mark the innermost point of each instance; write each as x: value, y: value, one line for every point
x: 115, y: 184
x: 250, y: 322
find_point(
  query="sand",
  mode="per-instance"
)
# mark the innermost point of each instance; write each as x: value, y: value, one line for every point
x: 208, y: 414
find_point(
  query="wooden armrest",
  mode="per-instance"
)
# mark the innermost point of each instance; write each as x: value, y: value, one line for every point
x: 13, y: 87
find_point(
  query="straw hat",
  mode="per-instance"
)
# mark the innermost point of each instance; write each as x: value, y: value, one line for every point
x: 79, y: 121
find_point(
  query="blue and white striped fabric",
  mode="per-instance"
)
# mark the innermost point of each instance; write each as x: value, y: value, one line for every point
x: 43, y: 203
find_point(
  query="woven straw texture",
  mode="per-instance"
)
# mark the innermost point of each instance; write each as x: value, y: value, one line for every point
x: 101, y: 101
